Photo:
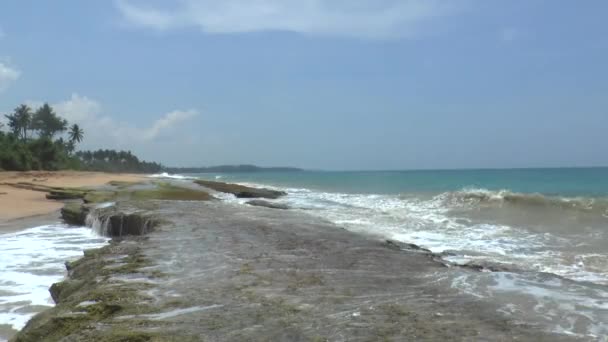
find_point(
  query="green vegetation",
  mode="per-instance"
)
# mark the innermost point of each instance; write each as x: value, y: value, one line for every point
x: 42, y: 140
x: 115, y: 161
x: 30, y: 142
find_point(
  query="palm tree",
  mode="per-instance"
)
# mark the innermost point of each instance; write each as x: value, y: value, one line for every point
x: 76, y: 134
x: 21, y: 120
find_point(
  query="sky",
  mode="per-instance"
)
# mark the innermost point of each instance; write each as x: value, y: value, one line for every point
x: 319, y: 84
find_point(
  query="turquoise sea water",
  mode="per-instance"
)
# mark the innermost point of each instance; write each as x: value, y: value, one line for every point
x: 553, y: 182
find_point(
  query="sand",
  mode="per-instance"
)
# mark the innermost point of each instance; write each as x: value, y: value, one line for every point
x: 20, y: 203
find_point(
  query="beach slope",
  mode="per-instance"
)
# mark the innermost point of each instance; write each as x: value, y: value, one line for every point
x: 18, y: 203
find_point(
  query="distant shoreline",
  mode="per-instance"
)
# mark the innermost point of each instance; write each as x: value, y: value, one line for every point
x: 230, y: 169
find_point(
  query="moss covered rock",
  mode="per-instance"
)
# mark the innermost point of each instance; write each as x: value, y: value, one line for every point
x: 100, y: 196
x: 74, y: 213
x: 165, y: 191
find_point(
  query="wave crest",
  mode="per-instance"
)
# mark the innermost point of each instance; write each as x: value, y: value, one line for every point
x: 484, y: 197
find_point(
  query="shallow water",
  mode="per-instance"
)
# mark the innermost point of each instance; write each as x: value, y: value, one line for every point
x: 32, y: 260
x: 531, y: 221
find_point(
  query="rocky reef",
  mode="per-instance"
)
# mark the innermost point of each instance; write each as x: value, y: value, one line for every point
x: 184, y: 267
x: 213, y: 271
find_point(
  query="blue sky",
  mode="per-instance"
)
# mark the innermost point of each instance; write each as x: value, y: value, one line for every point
x: 330, y: 84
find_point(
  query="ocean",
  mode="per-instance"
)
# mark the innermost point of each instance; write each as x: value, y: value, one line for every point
x: 547, y: 229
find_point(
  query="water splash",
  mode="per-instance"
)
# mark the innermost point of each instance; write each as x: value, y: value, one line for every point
x: 32, y: 260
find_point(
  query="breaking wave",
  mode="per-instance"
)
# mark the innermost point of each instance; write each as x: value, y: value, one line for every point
x: 484, y: 197
x: 170, y: 176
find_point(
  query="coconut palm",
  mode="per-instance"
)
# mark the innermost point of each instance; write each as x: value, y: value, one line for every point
x: 20, y: 121
x: 76, y: 134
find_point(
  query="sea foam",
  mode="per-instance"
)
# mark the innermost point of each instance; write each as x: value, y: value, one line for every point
x: 169, y: 176
x: 31, y: 261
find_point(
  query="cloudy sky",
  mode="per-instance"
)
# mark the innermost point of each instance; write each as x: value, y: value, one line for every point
x: 331, y: 84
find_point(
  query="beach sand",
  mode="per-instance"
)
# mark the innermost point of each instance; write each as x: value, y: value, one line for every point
x: 17, y: 204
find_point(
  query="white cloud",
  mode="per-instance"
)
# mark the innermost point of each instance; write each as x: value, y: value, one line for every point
x: 103, y: 131
x: 358, y: 18
x: 169, y: 121
x: 78, y: 109
x: 8, y: 75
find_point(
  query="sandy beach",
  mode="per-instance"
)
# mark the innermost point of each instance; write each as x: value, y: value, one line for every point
x: 21, y: 203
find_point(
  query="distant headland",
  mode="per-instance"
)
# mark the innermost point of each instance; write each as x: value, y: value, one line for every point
x: 230, y: 169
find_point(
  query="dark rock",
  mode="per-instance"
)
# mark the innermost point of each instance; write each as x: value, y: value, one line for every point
x: 61, y: 290
x: 403, y: 246
x: 65, y: 195
x: 74, y: 213
x: 241, y: 191
x: 484, y: 266
x: 262, y: 203
x: 129, y: 224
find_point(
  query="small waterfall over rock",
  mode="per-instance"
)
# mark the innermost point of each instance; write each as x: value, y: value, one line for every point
x: 95, y: 222
x: 109, y: 221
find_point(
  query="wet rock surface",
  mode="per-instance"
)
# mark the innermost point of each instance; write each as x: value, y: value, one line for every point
x: 212, y: 271
x: 271, y: 205
x: 74, y: 213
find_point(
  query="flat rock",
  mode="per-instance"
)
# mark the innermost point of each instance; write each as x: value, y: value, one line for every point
x: 241, y: 191
x: 262, y: 203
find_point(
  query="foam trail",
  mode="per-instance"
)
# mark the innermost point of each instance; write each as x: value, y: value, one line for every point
x: 31, y: 261
x: 430, y: 221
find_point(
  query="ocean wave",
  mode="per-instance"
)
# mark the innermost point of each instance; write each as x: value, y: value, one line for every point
x: 170, y: 176
x: 485, y: 197
x: 430, y: 221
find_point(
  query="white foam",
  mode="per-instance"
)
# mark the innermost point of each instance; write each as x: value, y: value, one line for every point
x: 105, y: 205
x: 169, y: 176
x: 33, y: 259
x: 428, y: 222
x: 563, y: 306
x: 431, y: 222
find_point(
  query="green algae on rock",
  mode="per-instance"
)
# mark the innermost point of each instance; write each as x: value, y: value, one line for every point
x: 74, y: 213
x: 166, y: 191
x: 91, y: 296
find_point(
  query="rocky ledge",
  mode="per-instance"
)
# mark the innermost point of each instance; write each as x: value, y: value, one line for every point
x: 267, y: 204
x: 241, y: 191
x: 213, y: 271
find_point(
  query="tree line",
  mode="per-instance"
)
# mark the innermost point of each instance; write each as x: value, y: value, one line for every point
x: 41, y: 140
x: 116, y: 161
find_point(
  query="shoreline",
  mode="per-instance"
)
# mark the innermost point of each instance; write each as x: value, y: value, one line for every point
x: 22, y: 204
x: 21, y: 223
